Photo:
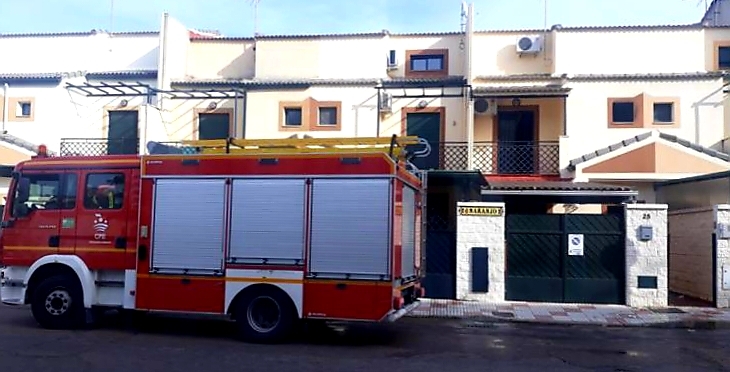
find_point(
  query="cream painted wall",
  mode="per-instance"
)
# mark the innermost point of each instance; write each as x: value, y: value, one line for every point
x: 340, y: 58
x: 495, y: 54
x: 60, y: 113
x: 99, y: 52
x: 177, y: 120
x: 359, y: 113
x: 403, y: 43
x: 550, y: 119
x: 176, y: 44
x: 712, y: 36
x: 629, y: 52
x: 587, y: 112
x: 218, y: 59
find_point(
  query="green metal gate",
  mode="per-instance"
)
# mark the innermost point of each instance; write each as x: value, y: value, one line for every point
x: 540, y: 268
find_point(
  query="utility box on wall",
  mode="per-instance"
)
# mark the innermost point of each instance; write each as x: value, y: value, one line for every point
x: 480, y: 269
x: 646, y: 233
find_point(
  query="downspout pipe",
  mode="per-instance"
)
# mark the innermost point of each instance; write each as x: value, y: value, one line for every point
x: 6, y: 109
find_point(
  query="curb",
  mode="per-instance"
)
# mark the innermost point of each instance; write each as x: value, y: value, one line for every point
x: 690, y: 323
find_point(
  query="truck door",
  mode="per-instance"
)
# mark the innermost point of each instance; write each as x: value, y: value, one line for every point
x: 101, y: 219
x: 34, y: 228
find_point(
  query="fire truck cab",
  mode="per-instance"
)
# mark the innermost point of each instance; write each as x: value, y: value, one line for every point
x: 265, y: 232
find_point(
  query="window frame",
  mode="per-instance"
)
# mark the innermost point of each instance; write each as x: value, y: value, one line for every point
x: 216, y: 111
x: 717, y: 45
x: 310, y: 115
x: 60, y: 192
x: 644, y: 112
x: 427, y: 53
x: 637, y: 103
x: 117, y: 206
x: 15, y: 113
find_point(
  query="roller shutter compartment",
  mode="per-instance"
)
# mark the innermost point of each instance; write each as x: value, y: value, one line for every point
x: 267, y: 221
x: 188, y: 226
x: 408, y: 249
x: 350, y: 228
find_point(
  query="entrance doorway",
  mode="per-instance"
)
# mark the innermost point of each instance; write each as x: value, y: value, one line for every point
x: 426, y: 124
x: 123, y: 132
x: 516, y: 140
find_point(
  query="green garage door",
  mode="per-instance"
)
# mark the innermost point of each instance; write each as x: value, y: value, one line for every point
x: 541, y: 268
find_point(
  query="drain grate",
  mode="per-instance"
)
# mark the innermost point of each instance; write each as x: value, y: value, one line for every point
x: 669, y: 310
x: 503, y: 314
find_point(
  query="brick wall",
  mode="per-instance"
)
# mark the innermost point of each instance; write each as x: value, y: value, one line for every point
x: 690, y: 252
x: 722, y: 217
x: 480, y: 231
x: 646, y: 260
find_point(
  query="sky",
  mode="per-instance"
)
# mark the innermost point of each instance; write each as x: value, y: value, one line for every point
x: 236, y: 17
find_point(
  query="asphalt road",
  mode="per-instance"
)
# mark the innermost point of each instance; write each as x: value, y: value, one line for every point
x: 171, y: 344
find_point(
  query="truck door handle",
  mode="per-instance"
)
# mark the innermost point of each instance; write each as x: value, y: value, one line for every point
x: 54, y: 241
x: 120, y: 242
x: 142, y: 252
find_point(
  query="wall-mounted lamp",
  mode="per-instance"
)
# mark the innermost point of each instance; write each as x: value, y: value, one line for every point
x: 422, y: 103
x: 516, y: 101
x: 212, y: 106
x: 123, y: 103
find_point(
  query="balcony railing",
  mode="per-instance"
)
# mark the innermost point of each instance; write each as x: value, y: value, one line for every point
x: 99, y: 146
x: 518, y: 158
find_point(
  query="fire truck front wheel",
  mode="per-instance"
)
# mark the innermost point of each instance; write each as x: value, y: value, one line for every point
x: 265, y: 316
x: 58, y: 303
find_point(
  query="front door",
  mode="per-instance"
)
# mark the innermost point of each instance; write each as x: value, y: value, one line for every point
x: 36, y: 216
x: 516, y: 142
x: 102, y: 219
x: 212, y: 126
x: 123, y: 132
x: 426, y: 125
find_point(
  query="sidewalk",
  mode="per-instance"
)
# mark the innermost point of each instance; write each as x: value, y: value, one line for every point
x: 603, y: 315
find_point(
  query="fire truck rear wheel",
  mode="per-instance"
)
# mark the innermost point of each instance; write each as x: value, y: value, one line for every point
x: 57, y: 303
x: 265, y: 316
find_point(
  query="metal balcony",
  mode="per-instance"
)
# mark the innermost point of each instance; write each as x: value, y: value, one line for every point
x: 510, y: 158
x: 99, y: 146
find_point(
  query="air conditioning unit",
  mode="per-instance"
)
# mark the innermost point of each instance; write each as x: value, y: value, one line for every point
x: 529, y: 44
x: 386, y: 102
x: 484, y: 106
x: 392, y: 60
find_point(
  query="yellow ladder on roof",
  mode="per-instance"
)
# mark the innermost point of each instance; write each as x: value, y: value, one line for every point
x: 393, y: 145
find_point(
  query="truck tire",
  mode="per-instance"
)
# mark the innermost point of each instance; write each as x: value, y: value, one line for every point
x: 57, y: 303
x: 265, y: 316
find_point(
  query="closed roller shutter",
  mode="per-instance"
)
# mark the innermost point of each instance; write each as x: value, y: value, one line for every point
x: 351, y: 227
x: 267, y: 221
x: 188, y: 226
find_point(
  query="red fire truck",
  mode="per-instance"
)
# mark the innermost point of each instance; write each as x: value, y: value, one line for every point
x: 265, y: 232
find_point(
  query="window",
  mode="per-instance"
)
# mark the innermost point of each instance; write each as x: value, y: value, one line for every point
x: 310, y: 115
x: 293, y: 117
x: 104, y: 191
x: 663, y: 113
x: 427, y: 62
x: 327, y: 116
x: 723, y: 57
x: 212, y: 126
x: 622, y: 112
x: 24, y: 109
x: 44, y: 192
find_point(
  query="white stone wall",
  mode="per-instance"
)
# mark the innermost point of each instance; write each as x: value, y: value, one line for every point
x: 480, y: 231
x: 690, y: 252
x: 646, y: 258
x: 722, y: 217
